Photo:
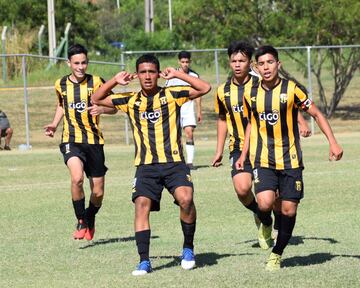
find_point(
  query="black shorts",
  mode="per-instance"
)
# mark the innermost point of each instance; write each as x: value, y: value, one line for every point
x: 234, y: 156
x: 288, y: 182
x: 3, y: 132
x: 92, y: 156
x: 150, y: 180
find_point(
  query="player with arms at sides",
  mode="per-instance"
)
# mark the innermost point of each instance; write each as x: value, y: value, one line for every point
x: 272, y: 137
x: 188, y: 119
x: 229, y: 107
x: 154, y: 114
x: 82, y: 140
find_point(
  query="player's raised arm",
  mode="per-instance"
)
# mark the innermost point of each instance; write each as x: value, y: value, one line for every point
x: 101, y: 95
x: 198, y: 88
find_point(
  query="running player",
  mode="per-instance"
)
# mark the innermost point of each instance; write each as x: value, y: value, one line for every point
x: 154, y: 113
x: 82, y: 141
x: 188, y: 119
x: 272, y: 137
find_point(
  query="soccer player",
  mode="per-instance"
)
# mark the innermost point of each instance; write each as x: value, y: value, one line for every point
x: 229, y: 107
x: 188, y: 119
x: 154, y: 113
x: 82, y: 140
x: 5, y: 130
x: 273, y: 139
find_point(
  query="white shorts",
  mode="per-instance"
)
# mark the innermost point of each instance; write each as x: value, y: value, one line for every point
x: 187, y: 114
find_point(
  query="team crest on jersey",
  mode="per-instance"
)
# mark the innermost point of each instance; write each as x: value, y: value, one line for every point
x: 90, y: 91
x: 79, y: 106
x: 283, y: 98
x: 152, y: 116
x: 63, y: 93
x: 137, y: 103
x: 253, y: 99
x: 163, y: 100
x: 298, y: 186
x: 227, y: 94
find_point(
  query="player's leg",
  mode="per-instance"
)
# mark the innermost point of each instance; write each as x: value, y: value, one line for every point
x: 76, y: 169
x: 146, y: 197
x: 189, y: 146
x: 9, y: 133
x: 290, y: 192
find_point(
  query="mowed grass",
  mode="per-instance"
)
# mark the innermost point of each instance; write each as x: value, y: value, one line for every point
x: 37, y: 222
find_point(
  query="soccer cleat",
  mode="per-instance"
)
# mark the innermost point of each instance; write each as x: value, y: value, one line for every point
x: 143, y: 268
x: 264, y: 237
x: 80, y: 231
x: 7, y: 148
x: 273, y: 263
x: 89, y: 234
x: 187, y: 259
x: 257, y: 221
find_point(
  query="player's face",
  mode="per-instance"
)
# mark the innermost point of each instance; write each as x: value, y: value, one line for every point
x: 240, y: 65
x: 148, y: 76
x: 185, y: 64
x: 78, y: 64
x: 268, y: 68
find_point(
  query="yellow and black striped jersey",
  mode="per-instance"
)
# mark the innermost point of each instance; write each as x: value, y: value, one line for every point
x: 155, y: 122
x: 275, y: 140
x: 75, y: 98
x: 229, y: 104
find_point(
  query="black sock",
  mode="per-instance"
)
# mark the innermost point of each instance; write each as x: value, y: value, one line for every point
x: 253, y: 206
x: 265, y: 217
x: 90, y: 214
x: 142, y: 239
x: 277, y: 217
x: 285, y: 231
x: 189, y: 232
x: 79, y: 208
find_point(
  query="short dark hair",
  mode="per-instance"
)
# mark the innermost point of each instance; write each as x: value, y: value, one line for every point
x: 76, y: 49
x: 148, y: 58
x: 184, y: 54
x: 266, y: 49
x: 242, y: 47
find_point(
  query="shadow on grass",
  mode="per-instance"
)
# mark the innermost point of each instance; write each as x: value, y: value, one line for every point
x: 295, y: 240
x: 110, y: 241
x: 202, y: 260
x: 196, y: 167
x: 313, y: 259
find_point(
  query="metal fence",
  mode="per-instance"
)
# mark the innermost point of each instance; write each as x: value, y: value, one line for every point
x: 27, y: 93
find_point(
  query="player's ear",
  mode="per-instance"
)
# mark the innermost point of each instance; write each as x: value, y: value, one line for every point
x: 279, y: 64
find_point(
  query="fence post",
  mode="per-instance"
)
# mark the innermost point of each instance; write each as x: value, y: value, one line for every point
x: 26, y: 108
x: 308, y: 48
x: 216, y: 67
x: 40, y: 34
x: 3, y: 46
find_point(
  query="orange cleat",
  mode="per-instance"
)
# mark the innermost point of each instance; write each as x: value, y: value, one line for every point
x: 80, y: 231
x: 89, y: 234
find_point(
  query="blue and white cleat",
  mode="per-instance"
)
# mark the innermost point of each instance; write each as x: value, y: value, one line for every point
x: 143, y: 268
x: 187, y: 259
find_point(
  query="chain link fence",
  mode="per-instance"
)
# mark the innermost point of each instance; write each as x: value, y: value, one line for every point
x: 28, y: 97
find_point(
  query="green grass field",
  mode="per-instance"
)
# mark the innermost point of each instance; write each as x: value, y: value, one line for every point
x: 37, y: 222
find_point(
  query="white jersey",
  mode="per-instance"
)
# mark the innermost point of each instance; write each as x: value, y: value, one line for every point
x: 188, y: 109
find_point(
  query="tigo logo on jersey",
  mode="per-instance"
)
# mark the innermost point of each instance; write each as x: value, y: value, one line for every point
x: 271, y: 118
x: 153, y: 117
x: 237, y: 108
x: 79, y: 107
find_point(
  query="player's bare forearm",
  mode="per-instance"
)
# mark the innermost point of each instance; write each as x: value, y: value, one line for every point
x: 51, y: 128
x: 304, y: 128
x: 221, y: 137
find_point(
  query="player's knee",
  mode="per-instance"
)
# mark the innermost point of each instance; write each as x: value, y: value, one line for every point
x: 77, y: 181
x: 98, y: 193
x: 9, y: 131
x: 185, y: 202
x: 243, y: 192
x: 265, y: 206
x: 142, y: 204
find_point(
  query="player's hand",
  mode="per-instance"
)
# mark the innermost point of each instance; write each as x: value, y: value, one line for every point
x: 239, y: 164
x: 124, y: 78
x: 95, y: 110
x: 305, y: 131
x: 216, y: 162
x: 336, y: 152
x: 168, y: 73
x: 199, y: 117
x: 50, y: 130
